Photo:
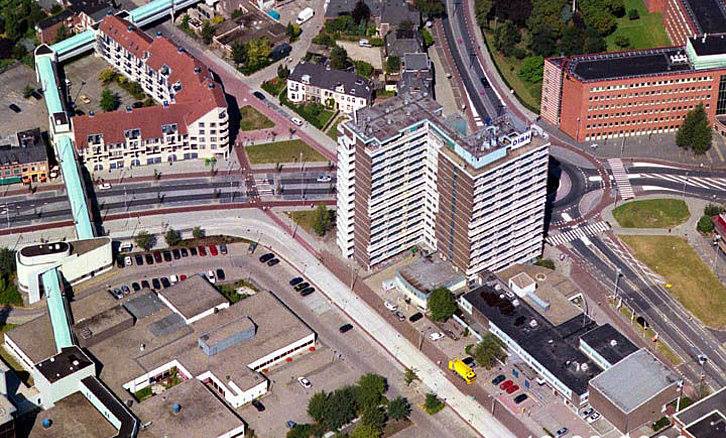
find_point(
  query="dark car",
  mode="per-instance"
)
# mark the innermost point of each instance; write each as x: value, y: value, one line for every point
x: 499, y: 379
x: 520, y: 398
x: 135, y: 286
x: 137, y: 104
x: 258, y: 405
x: 116, y: 293
x: 273, y: 262
x: 149, y: 259
x: 167, y: 256
x: 184, y: 252
x: 307, y: 291
x: 16, y: 109
x: 295, y: 281
x: 145, y: 284
x: 139, y: 259
x: 469, y: 361
x: 157, y: 257
x: 220, y: 275
x: 192, y: 251
x: 302, y: 286
x: 176, y: 253
x: 259, y: 95
x: 223, y: 248
x: 345, y: 328
x: 155, y: 283
x: 415, y: 317
x: 264, y: 258
x: 165, y: 282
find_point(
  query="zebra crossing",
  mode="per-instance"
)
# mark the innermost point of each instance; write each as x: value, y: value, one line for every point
x: 577, y: 233
x: 712, y: 183
x: 621, y: 178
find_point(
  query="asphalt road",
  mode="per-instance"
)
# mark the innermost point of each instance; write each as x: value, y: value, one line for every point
x: 661, y: 311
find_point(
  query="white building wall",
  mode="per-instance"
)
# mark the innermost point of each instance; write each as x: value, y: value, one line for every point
x: 281, y: 354
x: 233, y: 394
x: 345, y: 189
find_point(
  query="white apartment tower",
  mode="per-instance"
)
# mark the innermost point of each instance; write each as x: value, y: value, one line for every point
x: 406, y: 179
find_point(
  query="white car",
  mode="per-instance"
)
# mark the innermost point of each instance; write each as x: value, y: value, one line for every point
x: 210, y: 276
x: 390, y: 306
x: 324, y: 178
x: 296, y: 121
x: 304, y: 382
x: 593, y: 418
x: 364, y: 43
x: 127, y: 261
x: 435, y: 336
x: 105, y: 186
x: 173, y: 279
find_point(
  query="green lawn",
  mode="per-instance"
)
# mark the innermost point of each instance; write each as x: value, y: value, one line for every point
x: 643, y: 33
x: 274, y: 86
x: 251, y: 119
x: 304, y: 218
x: 692, y: 281
x: 315, y: 113
x: 652, y: 213
x: 287, y: 151
x: 332, y: 131
x: 529, y: 94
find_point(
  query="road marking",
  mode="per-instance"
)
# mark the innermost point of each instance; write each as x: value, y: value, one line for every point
x: 578, y: 233
x: 621, y: 178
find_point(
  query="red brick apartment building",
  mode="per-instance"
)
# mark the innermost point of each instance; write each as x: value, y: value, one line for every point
x: 622, y: 94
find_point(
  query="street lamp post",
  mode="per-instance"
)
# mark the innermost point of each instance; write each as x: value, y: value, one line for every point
x: 618, y: 273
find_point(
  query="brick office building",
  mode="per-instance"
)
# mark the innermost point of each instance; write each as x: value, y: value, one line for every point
x: 622, y: 94
x: 687, y: 18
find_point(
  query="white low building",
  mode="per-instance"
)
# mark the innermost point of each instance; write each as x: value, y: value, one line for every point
x: 337, y: 89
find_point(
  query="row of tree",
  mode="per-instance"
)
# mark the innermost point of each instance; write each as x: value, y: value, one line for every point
x: 8, y: 290
x: 172, y: 237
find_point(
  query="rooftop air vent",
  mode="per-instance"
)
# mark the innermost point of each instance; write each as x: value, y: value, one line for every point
x: 613, y: 343
x: 130, y: 28
x: 533, y: 323
x: 47, y: 422
x: 197, y: 70
x: 158, y: 33
x: 128, y: 108
x: 210, y: 85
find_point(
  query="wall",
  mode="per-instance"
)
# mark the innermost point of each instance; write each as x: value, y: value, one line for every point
x: 52, y: 392
x: 551, y: 91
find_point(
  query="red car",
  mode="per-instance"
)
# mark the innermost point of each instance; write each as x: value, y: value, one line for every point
x: 202, y: 251
x: 512, y: 389
x: 506, y: 384
x: 157, y: 257
x: 213, y: 250
x: 182, y: 277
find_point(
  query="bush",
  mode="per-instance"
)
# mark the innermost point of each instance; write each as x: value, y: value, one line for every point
x: 622, y: 41
x: 428, y: 39
x: 633, y: 14
x: 145, y: 240
x: 545, y: 263
x: 7, y: 261
x: 198, y: 232
x: 393, y: 64
x: 399, y: 408
x: 376, y: 42
x: 661, y: 423
x: 713, y: 209
x: 432, y: 404
x: 363, y: 68
x: 705, y: 225
x: 9, y: 294
x: 441, y: 304
x: 532, y: 69
x: 172, y: 237
x: 109, y: 100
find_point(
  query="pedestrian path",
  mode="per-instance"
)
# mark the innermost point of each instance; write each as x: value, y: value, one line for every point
x: 578, y: 233
x: 621, y: 178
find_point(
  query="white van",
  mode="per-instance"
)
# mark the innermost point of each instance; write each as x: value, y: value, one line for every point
x: 126, y: 247
x: 305, y: 15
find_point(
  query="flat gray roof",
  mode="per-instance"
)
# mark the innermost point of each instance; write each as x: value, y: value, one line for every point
x: 202, y: 414
x: 35, y: 338
x: 426, y: 274
x: 651, y: 375
x: 73, y: 416
x: 697, y: 412
x: 193, y: 296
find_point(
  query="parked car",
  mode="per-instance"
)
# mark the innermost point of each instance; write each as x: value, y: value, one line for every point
x: 213, y: 250
x: 223, y: 248
x: 259, y: 406
x: 116, y: 293
x: 273, y: 262
x: 593, y: 418
x: 469, y: 361
x: 291, y: 424
x: 156, y: 285
x: 165, y: 282
x: 587, y: 412
x: 561, y: 432
x: 149, y: 259
x: 167, y: 256
x: 435, y: 336
x: 301, y: 286
x: 345, y: 328
x: 193, y: 251
x: 399, y: 315
x: 296, y: 281
x: 499, y: 379
x: 264, y: 258
x: 520, y: 398
x: 210, y: 276
x: 139, y: 259
x: 84, y: 99
x: 304, y: 382
x: 202, y: 251
x: 297, y: 121
x: 364, y: 43
x: 135, y: 286
x: 173, y: 279
x: 512, y: 389
x: 415, y: 317
x: 390, y: 306
x: 127, y: 261
x: 324, y: 178
x: 105, y: 186
x: 258, y: 95
x: 176, y: 253
x: 220, y: 274
x: 157, y: 257
x: 184, y: 252
x: 182, y: 277
x: 145, y: 284
x: 14, y: 108
x: 506, y: 384
x: 307, y: 291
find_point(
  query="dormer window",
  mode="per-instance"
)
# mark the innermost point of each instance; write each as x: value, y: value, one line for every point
x: 169, y: 129
x: 165, y: 70
x: 132, y: 134
x: 305, y: 79
x: 95, y: 139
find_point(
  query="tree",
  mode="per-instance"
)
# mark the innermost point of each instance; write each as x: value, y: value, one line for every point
x: 7, y: 261
x: 506, y: 37
x: 239, y: 55
x: 109, y: 100
x: 338, y: 58
x: 293, y: 31
x: 622, y: 41
x: 633, y: 14
x: 713, y: 209
x: 399, y: 408
x: 482, y: 8
x: 197, y: 232
x: 145, y: 240
x: 430, y: 8
x: 594, y: 42
x: 207, y: 32
x: 282, y: 72
x: 393, y: 64
x: 489, y: 351
x: 374, y: 416
x: 532, y: 69
x: 318, y: 405
x: 321, y: 221
x: 301, y: 431
x: 172, y: 237
x: 543, y: 41
x: 369, y: 390
x: 258, y: 53
x: 441, y: 304
x: 341, y: 407
x: 516, y: 10
x: 365, y: 431
x: 361, y: 13
x: 705, y: 225
x: 409, y: 376
x: 363, y: 68
x: 432, y: 404
x: 695, y: 132
x: 572, y: 40
x: 107, y: 75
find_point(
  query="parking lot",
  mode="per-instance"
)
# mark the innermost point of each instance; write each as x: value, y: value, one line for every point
x: 33, y: 113
x: 83, y: 76
x: 371, y: 55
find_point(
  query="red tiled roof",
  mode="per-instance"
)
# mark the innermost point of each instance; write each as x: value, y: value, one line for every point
x: 199, y: 94
x: 719, y: 222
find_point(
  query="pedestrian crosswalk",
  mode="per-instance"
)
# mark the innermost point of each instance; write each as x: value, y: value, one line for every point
x: 577, y: 233
x: 621, y: 179
x: 712, y: 183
